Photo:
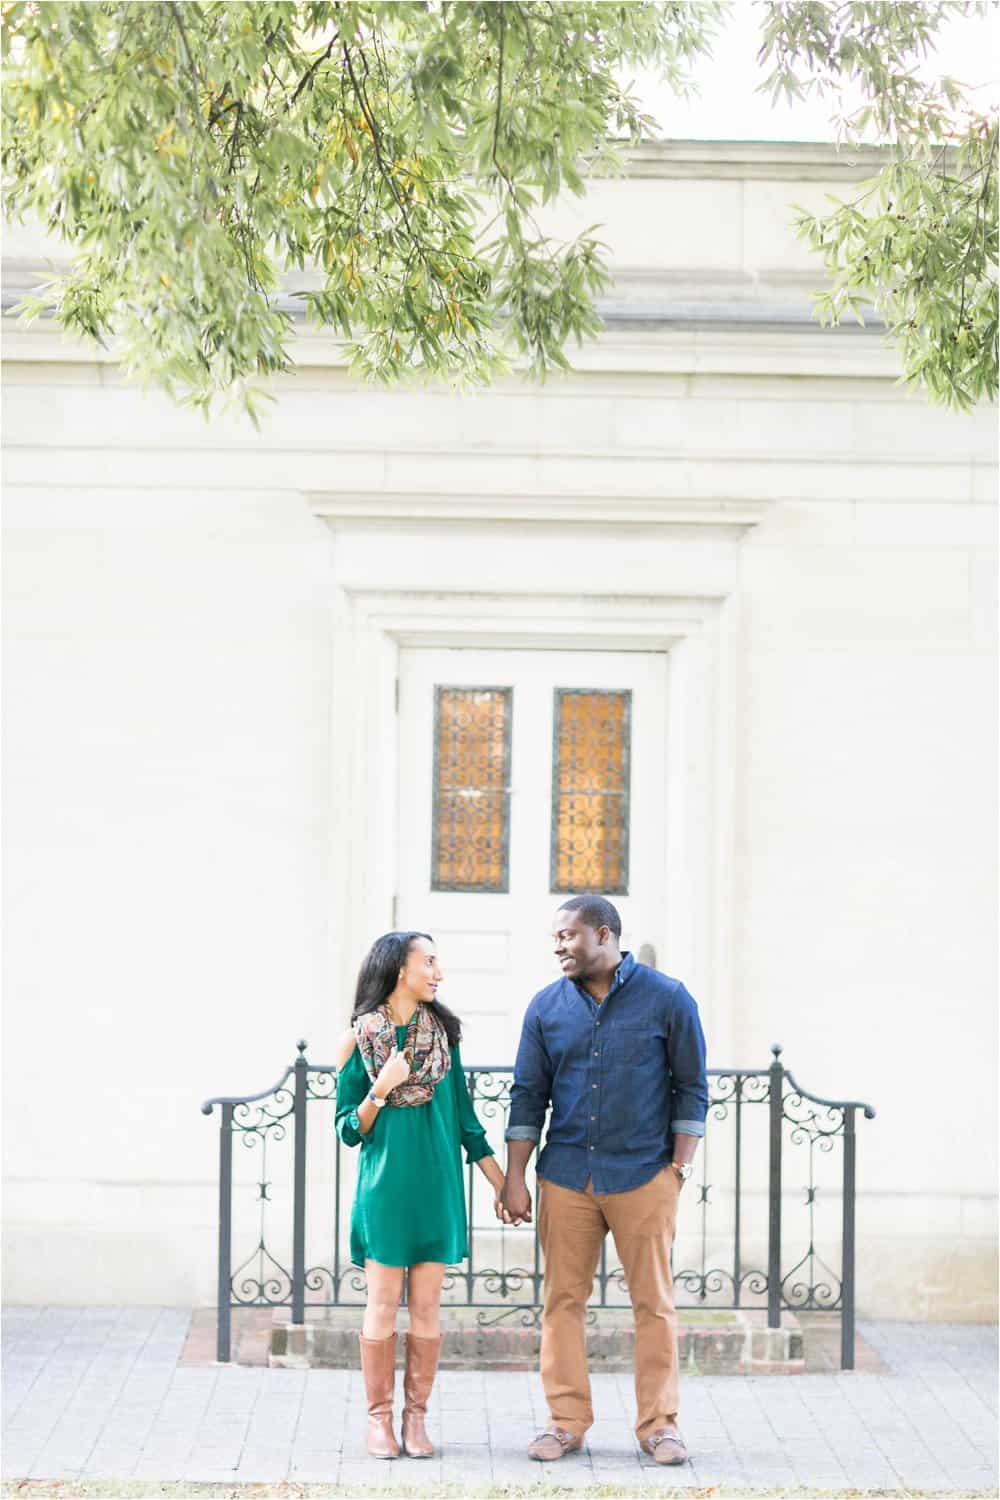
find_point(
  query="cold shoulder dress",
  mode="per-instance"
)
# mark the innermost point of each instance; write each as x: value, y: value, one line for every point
x: 409, y: 1203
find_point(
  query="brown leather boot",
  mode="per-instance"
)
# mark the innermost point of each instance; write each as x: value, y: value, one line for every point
x: 378, y: 1365
x: 421, y: 1367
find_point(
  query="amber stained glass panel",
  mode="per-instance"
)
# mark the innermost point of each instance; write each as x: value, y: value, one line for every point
x: 471, y: 812
x: 590, y: 791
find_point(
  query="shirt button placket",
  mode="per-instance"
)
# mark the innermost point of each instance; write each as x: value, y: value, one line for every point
x: 596, y: 1066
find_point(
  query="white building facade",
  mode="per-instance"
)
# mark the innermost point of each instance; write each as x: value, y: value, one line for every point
x: 243, y: 670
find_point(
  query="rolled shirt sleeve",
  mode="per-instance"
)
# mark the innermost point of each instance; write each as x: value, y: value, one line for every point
x: 532, y: 1087
x: 689, y: 1081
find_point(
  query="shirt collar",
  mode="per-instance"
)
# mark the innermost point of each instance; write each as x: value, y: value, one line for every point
x: 624, y: 970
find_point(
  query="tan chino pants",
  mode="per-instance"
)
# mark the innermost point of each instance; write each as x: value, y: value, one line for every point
x: 571, y: 1229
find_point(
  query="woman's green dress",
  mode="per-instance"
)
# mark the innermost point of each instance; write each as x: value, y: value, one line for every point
x: 409, y: 1204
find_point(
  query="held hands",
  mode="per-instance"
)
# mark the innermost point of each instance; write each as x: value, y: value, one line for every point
x: 514, y: 1202
x: 502, y: 1191
x: 394, y: 1071
x: 490, y: 1168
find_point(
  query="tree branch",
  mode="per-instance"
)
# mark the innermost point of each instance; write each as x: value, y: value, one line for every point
x: 369, y: 118
x: 311, y: 72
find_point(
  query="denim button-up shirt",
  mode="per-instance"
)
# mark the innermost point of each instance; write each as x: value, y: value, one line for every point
x: 622, y: 1077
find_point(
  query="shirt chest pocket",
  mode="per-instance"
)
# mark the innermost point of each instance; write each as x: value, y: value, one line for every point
x: 630, y: 1040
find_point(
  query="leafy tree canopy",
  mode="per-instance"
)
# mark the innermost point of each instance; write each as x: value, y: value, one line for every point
x: 919, y: 240
x: 193, y: 152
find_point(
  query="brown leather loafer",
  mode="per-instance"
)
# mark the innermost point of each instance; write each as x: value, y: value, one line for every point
x: 665, y: 1447
x: 553, y: 1443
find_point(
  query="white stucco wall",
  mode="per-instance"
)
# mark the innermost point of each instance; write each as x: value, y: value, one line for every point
x: 178, y: 890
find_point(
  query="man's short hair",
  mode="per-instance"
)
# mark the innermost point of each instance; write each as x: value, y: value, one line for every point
x: 594, y: 911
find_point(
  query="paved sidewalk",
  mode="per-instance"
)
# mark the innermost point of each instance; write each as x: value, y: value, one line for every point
x: 98, y: 1393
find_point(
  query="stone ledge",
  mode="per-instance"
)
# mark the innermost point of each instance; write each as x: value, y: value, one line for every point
x: 714, y: 1343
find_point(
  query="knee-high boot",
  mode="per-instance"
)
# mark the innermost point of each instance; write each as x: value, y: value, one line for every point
x: 378, y: 1364
x: 418, y: 1381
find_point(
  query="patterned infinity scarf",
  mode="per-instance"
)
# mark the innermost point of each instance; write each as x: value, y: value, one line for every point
x: 425, y: 1049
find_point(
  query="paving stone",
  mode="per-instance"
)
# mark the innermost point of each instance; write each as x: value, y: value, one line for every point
x: 728, y: 1477
x: 159, y: 1466
x: 872, y: 1476
x: 108, y: 1469
x: 275, y: 1413
x: 167, y: 1445
x: 63, y: 1457
x: 257, y: 1468
x: 18, y: 1458
x: 622, y: 1476
x: 328, y: 1433
x: 321, y: 1471
x: 386, y: 1473
x: 465, y: 1430
x: 981, y: 1477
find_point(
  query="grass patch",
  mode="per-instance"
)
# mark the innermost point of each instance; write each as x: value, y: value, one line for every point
x: 287, y: 1489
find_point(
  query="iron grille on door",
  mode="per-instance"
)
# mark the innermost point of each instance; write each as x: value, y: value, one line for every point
x: 471, y: 808
x: 591, y: 754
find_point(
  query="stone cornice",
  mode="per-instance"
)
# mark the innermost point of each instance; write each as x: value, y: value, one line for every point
x: 782, y: 161
x: 641, y: 510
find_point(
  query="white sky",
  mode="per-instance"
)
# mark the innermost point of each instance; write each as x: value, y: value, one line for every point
x: 729, y: 109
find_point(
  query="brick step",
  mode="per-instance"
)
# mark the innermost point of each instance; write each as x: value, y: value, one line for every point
x: 713, y: 1343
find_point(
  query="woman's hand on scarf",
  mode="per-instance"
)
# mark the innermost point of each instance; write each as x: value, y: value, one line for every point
x: 394, y: 1071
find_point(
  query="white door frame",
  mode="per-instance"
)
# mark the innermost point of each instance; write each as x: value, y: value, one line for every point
x: 697, y: 627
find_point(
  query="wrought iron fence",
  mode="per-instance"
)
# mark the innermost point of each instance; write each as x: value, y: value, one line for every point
x: 767, y: 1140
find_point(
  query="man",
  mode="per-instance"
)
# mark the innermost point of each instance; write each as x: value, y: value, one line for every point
x: 617, y: 1050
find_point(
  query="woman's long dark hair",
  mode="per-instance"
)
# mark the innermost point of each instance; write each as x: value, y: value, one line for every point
x: 379, y: 975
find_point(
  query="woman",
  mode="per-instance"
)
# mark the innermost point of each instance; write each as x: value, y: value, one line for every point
x: 402, y: 1096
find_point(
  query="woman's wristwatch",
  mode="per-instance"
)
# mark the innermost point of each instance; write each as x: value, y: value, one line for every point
x: 373, y: 1098
x: 684, y: 1168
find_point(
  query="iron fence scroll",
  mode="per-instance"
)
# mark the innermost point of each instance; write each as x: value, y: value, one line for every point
x: 767, y: 1140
